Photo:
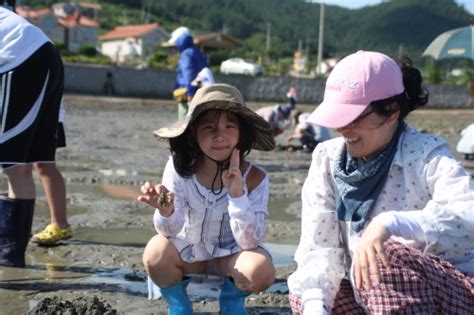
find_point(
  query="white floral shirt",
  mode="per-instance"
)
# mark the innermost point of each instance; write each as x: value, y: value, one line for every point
x: 200, y: 217
x: 424, y: 178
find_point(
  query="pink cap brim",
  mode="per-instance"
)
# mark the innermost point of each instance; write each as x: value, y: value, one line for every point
x: 331, y: 115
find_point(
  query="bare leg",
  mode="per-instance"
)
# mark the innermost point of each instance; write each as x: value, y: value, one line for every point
x: 252, y: 270
x: 55, y: 190
x: 163, y: 264
x: 20, y: 182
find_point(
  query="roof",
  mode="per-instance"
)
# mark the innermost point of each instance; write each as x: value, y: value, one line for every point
x: 94, y: 6
x: 28, y: 13
x: 216, y: 41
x: 78, y: 19
x: 129, y: 31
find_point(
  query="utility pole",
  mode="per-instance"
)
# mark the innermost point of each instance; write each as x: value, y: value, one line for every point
x: 269, y: 34
x: 124, y: 16
x: 321, y: 36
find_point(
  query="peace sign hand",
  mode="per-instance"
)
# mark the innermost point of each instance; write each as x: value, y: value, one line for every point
x: 232, y: 177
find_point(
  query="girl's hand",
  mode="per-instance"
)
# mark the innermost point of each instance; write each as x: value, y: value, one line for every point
x: 232, y: 177
x: 158, y: 197
x: 365, y: 256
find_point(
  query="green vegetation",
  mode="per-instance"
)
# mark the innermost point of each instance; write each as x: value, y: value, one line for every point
x: 398, y: 27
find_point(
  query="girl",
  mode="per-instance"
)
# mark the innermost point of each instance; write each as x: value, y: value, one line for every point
x: 212, y: 205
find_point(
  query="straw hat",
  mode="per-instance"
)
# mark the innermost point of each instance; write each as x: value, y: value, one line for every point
x: 223, y: 97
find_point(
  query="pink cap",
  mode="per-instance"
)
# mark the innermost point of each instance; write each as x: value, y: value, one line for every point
x: 355, y: 82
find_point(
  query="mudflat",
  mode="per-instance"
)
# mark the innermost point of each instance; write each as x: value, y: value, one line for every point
x: 110, y: 152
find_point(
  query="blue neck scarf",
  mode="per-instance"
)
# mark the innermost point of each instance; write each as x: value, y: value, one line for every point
x: 359, y: 185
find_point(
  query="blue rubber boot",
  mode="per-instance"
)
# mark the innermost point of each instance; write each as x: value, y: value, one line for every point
x: 232, y: 299
x: 177, y: 298
x: 16, y: 217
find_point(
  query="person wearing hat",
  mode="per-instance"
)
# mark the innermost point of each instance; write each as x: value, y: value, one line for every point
x: 191, y: 62
x: 212, y: 204
x: 32, y: 81
x: 387, y: 216
x: 275, y: 115
x: 309, y: 135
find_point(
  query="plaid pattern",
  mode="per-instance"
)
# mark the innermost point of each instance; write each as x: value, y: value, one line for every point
x: 295, y: 304
x: 419, y: 284
x: 345, y: 302
x: 415, y: 284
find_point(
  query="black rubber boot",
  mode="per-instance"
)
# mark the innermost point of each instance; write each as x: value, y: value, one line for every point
x: 16, y: 217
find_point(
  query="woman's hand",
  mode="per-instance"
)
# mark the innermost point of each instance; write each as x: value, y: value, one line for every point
x: 365, y: 256
x: 232, y: 177
x: 158, y: 197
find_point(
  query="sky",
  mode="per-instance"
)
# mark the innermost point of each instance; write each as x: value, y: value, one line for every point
x: 355, y: 4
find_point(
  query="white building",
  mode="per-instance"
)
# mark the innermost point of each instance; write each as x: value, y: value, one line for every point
x: 132, y: 43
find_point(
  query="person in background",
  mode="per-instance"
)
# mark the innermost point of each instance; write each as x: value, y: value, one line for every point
x: 32, y: 80
x: 292, y: 96
x: 191, y: 62
x: 276, y: 116
x: 465, y: 145
x: 55, y: 190
x: 211, y: 207
x: 387, y: 219
x: 204, y: 78
x: 309, y: 135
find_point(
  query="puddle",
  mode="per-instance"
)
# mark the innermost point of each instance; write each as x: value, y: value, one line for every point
x: 44, y: 273
x: 137, y: 237
x: 282, y: 253
x: 41, y: 209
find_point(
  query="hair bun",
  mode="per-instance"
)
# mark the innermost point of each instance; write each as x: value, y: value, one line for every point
x: 412, y: 80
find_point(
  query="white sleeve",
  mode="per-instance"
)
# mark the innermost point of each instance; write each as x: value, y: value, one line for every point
x: 170, y: 226
x: 320, y: 255
x: 448, y: 218
x: 445, y: 225
x: 248, y: 214
x: 403, y: 223
x: 315, y: 307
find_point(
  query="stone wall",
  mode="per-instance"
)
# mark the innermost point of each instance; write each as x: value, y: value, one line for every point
x: 153, y: 83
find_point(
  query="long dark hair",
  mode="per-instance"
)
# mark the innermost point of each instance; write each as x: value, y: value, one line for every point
x: 414, y: 96
x: 185, y: 149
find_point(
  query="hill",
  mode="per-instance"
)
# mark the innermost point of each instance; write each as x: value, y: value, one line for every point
x: 406, y: 26
x: 400, y: 24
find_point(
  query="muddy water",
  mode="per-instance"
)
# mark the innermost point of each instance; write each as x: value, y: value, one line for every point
x: 46, y: 271
x: 110, y: 153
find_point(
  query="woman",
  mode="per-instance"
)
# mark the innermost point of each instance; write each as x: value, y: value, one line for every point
x: 387, y: 222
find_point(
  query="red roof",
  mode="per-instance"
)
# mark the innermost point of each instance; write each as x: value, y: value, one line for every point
x: 78, y: 19
x: 129, y: 31
x: 28, y: 13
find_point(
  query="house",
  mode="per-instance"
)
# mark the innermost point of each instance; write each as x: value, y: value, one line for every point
x: 215, y: 41
x: 132, y: 43
x: 79, y: 30
x: 44, y: 19
x: 64, y: 22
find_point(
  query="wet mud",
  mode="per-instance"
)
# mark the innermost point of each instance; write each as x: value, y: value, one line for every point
x: 110, y: 152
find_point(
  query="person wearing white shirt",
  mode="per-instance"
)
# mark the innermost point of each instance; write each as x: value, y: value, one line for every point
x: 388, y: 212
x: 204, y: 78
